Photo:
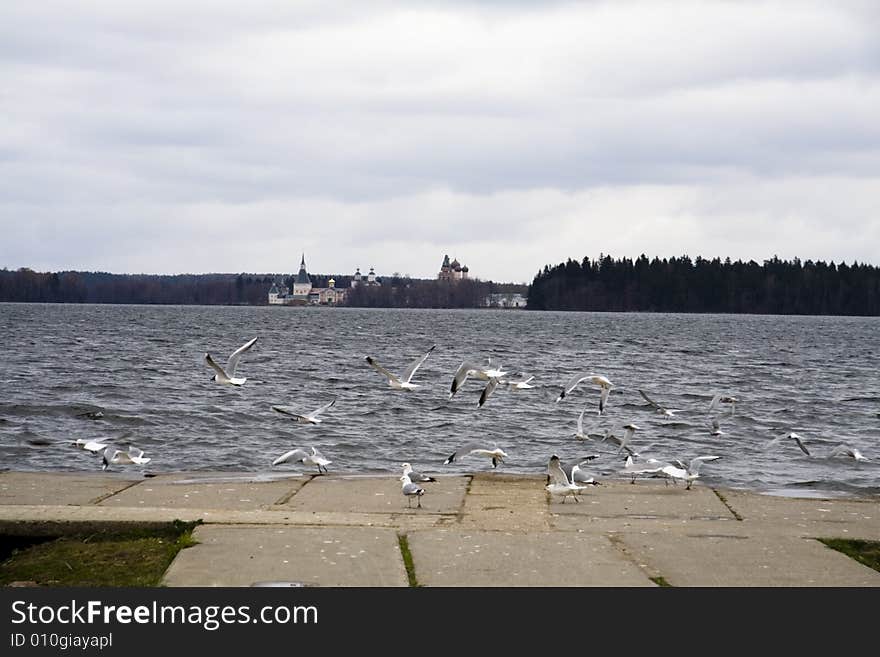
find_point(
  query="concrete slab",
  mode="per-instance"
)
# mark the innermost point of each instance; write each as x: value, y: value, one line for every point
x: 377, y: 495
x: 60, y: 488
x: 314, y: 556
x: 770, y: 508
x: 735, y: 560
x: 506, y: 503
x: 186, y: 492
x: 451, y: 557
x: 647, y: 500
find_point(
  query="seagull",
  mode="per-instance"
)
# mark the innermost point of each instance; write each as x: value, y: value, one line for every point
x: 668, y: 412
x: 721, y: 399
x: 650, y: 466
x: 228, y: 375
x: 93, y: 446
x: 559, y: 481
x: 410, y: 489
x: 415, y: 476
x: 716, y: 428
x: 488, y: 390
x: 403, y: 382
x: 793, y: 436
x: 623, y: 442
x: 689, y: 473
x: 596, y: 379
x: 310, y: 418
x: 519, y: 385
x: 315, y: 458
x: 847, y: 451
x: 581, y: 434
x: 478, y: 449
x: 469, y: 369
x: 578, y: 476
x: 119, y: 456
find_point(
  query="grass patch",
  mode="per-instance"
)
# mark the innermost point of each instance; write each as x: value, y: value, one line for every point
x: 403, y: 542
x: 135, y: 557
x: 865, y: 552
x: 660, y: 581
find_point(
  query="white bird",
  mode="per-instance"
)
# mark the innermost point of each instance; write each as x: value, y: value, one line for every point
x: 576, y: 475
x: 118, y: 456
x: 227, y: 374
x: 300, y: 455
x: 520, y: 385
x: 488, y: 390
x: 629, y: 432
x: 478, y: 449
x: 415, y: 476
x: 597, y: 379
x: 403, y: 382
x: 410, y: 490
x: 90, y: 445
x: 468, y: 369
x: 309, y: 418
x: 590, y: 433
x: 789, y: 436
x: 722, y: 399
x: 668, y: 412
x: 689, y: 473
x: 847, y: 451
x: 716, y: 428
x: 560, y: 483
x: 649, y: 466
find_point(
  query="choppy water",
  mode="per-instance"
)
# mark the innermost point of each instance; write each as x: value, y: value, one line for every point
x: 142, y: 368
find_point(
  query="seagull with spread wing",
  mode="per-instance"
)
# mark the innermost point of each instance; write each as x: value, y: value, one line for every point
x: 227, y: 375
x: 309, y: 418
x: 403, y: 382
x: 668, y: 412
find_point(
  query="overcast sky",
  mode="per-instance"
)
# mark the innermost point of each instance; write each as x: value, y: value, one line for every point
x: 169, y: 136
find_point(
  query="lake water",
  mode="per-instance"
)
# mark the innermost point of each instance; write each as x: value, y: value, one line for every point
x: 142, y: 367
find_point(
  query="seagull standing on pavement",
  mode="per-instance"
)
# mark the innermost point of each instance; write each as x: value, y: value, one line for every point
x: 559, y: 481
x: 689, y: 473
x: 410, y: 490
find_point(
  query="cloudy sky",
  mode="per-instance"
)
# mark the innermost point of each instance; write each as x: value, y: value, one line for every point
x: 172, y: 136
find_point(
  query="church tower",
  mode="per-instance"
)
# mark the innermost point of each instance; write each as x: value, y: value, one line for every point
x: 302, y: 285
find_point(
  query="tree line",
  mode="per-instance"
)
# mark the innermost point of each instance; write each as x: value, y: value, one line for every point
x: 26, y: 285
x: 680, y: 284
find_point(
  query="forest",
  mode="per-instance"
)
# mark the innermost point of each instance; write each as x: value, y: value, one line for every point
x: 26, y: 285
x: 680, y: 284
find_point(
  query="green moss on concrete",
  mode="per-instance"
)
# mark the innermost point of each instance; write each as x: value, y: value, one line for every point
x: 403, y: 541
x: 660, y: 581
x: 135, y: 557
x: 865, y: 552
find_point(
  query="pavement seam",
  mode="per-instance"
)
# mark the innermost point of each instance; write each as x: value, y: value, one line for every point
x: 467, y: 491
x: 284, y: 499
x: 106, y: 496
x: 724, y: 501
x: 651, y: 573
x: 408, y: 563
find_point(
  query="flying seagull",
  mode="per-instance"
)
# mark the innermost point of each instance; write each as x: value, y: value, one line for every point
x: 690, y: 473
x: 410, y: 490
x: 716, y: 428
x: 495, y: 381
x: 478, y: 449
x: 629, y: 432
x: 227, y: 375
x: 722, y: 399
x: 597, y: 379
x: 650, y: 466
x: 300, y: 455
x: 416, y: 476
x: 668, y: 412
x: 117, y: 456
x: 309, y: 418
x: 403, y: 382
x: 789, y: 436
x: 468, y: 369
x: 847, y: 451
